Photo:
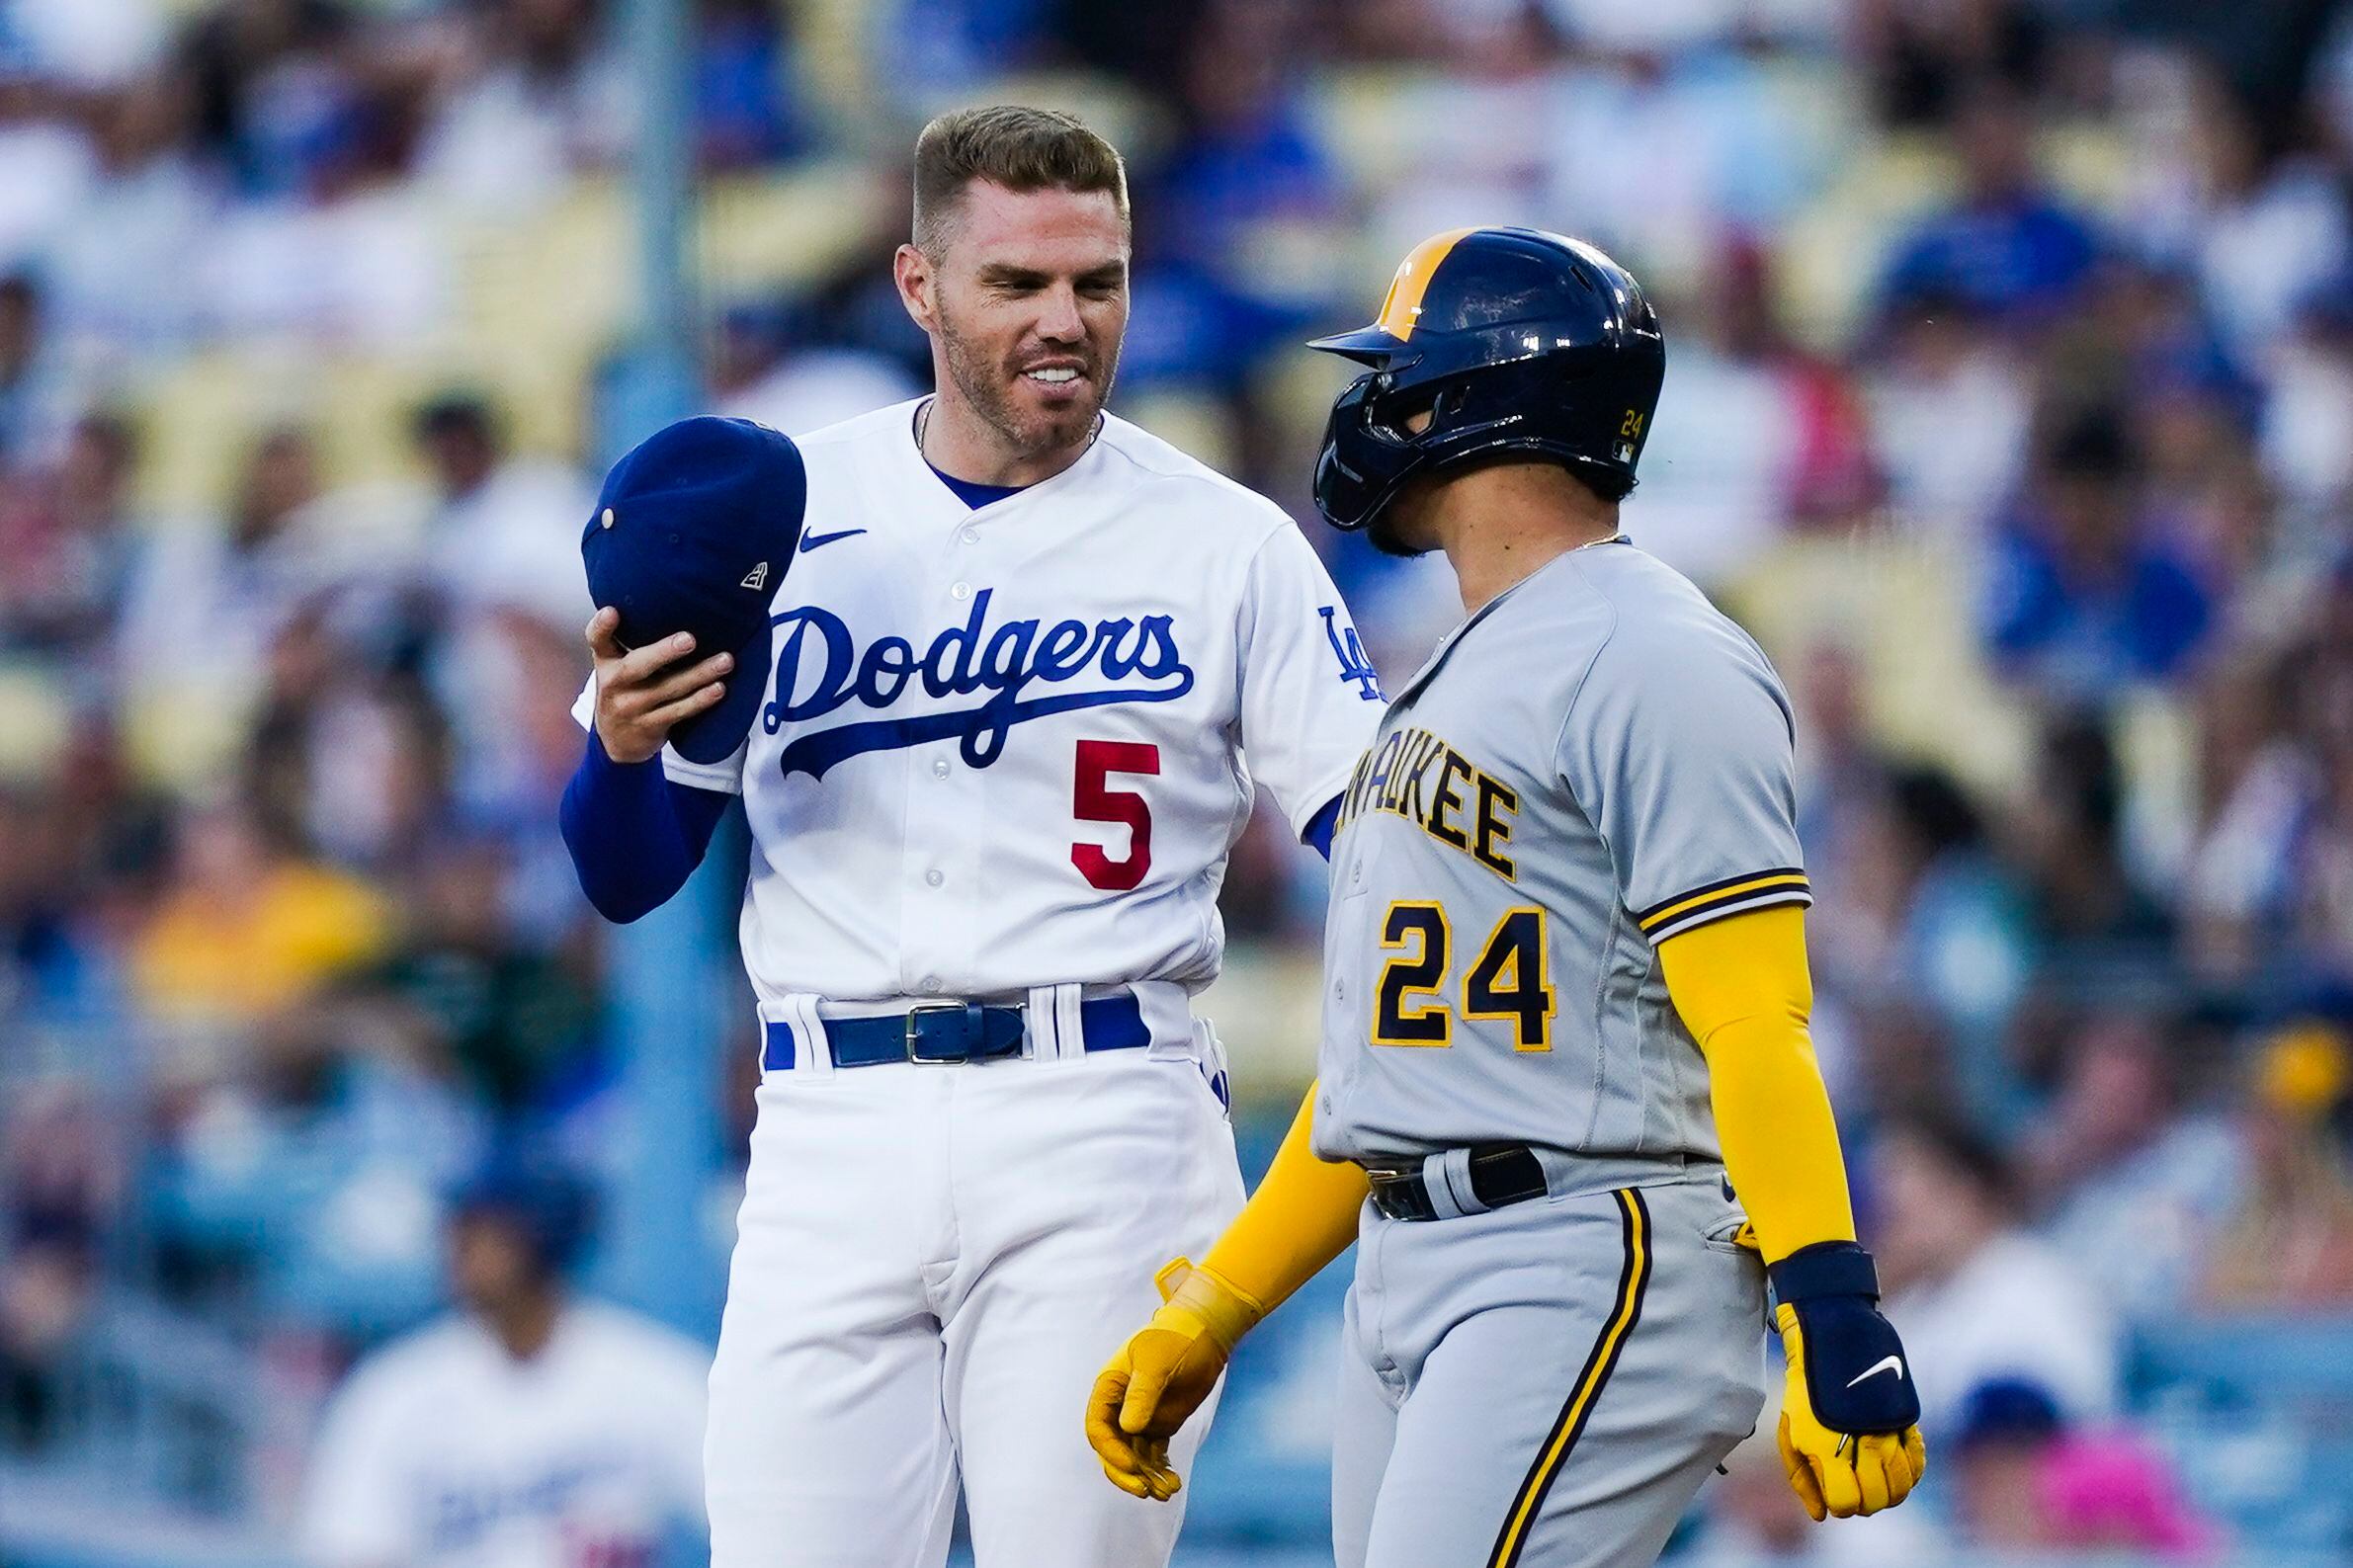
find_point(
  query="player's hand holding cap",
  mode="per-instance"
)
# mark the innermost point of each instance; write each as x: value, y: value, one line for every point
x: 1155, y: 1381
x: 691, y: 536
x: 1850, y: 1423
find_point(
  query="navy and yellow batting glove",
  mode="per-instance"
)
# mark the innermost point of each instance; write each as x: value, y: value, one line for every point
x: 1850, y: 1421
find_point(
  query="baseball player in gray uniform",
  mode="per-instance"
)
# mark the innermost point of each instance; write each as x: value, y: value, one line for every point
x: 1565, y: 1006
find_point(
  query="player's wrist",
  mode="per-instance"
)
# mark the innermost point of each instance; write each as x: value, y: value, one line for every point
x: 1205, y: 1300
x: 627, y: 754
x: 1823, y: 1269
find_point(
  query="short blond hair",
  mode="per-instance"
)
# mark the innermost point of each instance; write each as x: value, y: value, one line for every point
x: 1013, y: 145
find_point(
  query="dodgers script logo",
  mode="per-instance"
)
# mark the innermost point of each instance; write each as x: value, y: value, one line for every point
x: 820, y: 668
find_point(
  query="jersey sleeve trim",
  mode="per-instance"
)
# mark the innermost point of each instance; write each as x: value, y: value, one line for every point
x: 726, y: 777
x: 1734, y: 895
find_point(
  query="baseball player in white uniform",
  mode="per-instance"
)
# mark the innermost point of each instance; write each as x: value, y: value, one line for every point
x: 532, y: 1431
x: 1005, y: 721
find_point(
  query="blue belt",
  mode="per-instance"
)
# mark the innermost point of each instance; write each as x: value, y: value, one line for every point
x: 955, y: 1032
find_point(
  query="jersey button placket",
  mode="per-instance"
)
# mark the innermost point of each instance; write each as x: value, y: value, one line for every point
x: 939, y: 891
x: 934, y: 945
x: 934, y: 953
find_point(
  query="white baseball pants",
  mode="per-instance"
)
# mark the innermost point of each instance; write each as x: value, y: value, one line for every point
x: 931, y: 1265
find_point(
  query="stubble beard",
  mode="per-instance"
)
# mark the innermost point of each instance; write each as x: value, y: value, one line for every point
x: 1394, y: 528
x: 989, y: 391
x: 1382, y: 534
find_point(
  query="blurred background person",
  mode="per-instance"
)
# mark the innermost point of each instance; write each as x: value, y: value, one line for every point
x: 1975, y: 1293
x: 2028, y: 1480
x: 2131, y: 1168
x: 2289, y: 1245
x: 537, y: 1428
x: 499, y: 527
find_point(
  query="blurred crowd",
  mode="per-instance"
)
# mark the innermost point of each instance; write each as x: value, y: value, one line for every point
x: 2011, y: 402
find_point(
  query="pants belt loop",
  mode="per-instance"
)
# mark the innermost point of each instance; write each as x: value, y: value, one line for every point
x: 1069, y: 1020
x: 1043, y: 1034
x: 1167, y: 1012
x: 1447, y: 1176
x: 1562, y: 1170
x: 777, y: 1044
x: 1041, y: 1041
x: 810, y: 1052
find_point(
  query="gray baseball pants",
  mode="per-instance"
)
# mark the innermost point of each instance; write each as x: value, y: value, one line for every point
x: 1543, y: 1385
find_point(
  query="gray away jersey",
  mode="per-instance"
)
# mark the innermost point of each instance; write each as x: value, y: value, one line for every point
x: 1596, y: 761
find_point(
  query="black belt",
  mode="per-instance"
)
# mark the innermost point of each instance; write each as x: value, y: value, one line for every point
x: 1501, y: 1174
x: 955, y: 1032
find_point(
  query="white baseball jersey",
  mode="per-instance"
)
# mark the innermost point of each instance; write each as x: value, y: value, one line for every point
x: 1009, y: 747
x: 444, y: 1452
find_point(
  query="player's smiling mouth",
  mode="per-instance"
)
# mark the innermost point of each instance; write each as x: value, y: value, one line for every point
x: 1055, y: 374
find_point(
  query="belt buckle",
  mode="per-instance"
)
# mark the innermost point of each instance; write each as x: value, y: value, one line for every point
x: 1399, y: 1194
x: 913, y: 1031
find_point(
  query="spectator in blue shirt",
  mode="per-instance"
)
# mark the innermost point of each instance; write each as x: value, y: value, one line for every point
x: 1248, y: 152
x: 2085, y: 598
x: 2010, y: 247
x: 743, y: 115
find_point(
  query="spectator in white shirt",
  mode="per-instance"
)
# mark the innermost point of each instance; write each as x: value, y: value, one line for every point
x: 531, y: 1430
x: 1975, y: 1296
x: 501, y: 529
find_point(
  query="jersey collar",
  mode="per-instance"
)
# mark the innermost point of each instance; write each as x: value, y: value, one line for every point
x: 1454, y: 639
x: 953, y: 505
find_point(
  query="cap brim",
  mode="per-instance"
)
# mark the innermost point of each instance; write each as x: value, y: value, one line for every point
x: 1368, y: 345
x: 712, y: 736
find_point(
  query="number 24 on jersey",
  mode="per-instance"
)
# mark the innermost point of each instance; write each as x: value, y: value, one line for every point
x: 1507, y: 980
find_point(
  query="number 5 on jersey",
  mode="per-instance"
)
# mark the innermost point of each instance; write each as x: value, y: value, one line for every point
x: 1094, y: 800
x: 1506, y: 982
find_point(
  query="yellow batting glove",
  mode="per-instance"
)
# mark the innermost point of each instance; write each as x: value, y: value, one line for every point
x: 1850, y: 1423
x: 1161, y: 1375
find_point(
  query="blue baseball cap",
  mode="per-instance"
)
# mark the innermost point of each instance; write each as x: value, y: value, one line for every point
x: 547, y: 1205
x: 2006, y: 1412
x: 692, y: 533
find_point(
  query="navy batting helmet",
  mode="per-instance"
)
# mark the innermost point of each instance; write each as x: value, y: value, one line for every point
x: 1512, y: 341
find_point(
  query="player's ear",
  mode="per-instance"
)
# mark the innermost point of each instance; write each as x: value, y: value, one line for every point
x: 912, y: 270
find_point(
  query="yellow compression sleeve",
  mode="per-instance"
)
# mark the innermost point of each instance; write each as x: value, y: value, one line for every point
x: 1743, y: 987
x: 1303, y: 1216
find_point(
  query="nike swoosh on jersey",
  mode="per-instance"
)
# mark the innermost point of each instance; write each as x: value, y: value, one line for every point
x: 1888, y: 1364
x: 810, y: 542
